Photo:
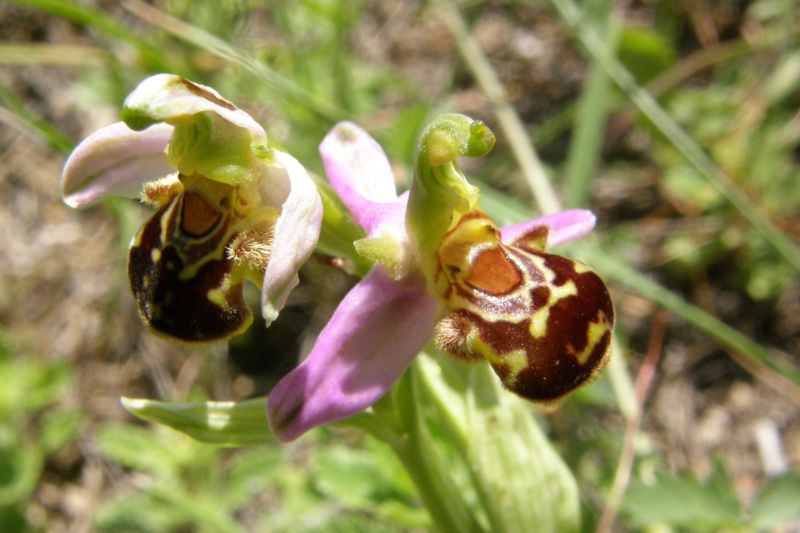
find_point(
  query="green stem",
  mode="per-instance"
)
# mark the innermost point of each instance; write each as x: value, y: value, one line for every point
x: 414, y: 447
x: 620, y: 380
x: 518, y: 477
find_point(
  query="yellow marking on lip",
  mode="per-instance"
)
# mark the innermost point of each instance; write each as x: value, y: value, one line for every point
x: 538, y: 327
x: 597, y: 328
x: 155, y: 255
x: 514, y: 361
x: 217, y: 296
x: 580, y: 268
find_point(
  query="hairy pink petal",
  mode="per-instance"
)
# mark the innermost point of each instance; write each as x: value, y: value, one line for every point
x: 114, y: 159
x: 564, y: 226
x: 374, y: 334
x: 295, y: 235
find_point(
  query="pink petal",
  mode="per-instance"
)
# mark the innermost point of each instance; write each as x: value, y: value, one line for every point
x: 564, y: 226
x: 114, y: 159
x: 359, y: 172
x: 296, y: 231
x: 374, y: 334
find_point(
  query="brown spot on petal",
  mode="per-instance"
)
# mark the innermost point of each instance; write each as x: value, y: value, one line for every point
x: 493, y: 272
x: 198, y: 216
x: 533, y: 240
x: 203, y: 93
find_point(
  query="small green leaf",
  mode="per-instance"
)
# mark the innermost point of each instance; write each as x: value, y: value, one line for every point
x: 253, y: 472
x: 29, y: 385
x: 126, y: 514
x: 58, y: 428
x: 361, y: 482
x: 19, y: 473
x: 687, y: 186
x: 137, y: 447
x: 683, y: 501
x: 777, y: 503
x: 345, y: 474
x: 224, y: 423
x: 645, y: 52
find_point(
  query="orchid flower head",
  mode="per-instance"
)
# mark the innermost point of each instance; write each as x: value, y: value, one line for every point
x: 442, y: 269
x: 228, y: 207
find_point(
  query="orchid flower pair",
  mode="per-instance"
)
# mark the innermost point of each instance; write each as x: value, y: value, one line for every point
x: 238, y: 208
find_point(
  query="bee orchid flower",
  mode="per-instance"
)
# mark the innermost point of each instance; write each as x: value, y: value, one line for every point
x: 228, y: 207
x: 442, y: 269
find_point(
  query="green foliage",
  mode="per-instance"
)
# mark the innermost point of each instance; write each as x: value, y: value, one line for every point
x: 369, y: 480
x: 185, y: 484
x: 32, y: 427
x: 646, y: 52
x: 683, y: 501
x: 224, y: 423
x: 777, y: 503
x: 688, y: 504
x: 300, y: 78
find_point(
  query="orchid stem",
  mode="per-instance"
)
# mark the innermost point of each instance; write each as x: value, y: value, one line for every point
x: 420, y: 458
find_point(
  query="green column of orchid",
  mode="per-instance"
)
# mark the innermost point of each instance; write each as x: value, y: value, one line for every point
x: 206, y: 144
x: 440, y: 194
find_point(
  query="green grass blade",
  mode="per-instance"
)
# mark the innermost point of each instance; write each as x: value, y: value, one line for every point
x: 510, y: 123
x: 200, y: 38
x: 572, y: 14
x: 16, y: 114
x: 590, y: 119
x: 104, y: 23
x: 50, y: 54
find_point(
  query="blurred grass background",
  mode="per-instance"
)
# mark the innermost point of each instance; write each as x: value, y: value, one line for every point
x: 675, y: 122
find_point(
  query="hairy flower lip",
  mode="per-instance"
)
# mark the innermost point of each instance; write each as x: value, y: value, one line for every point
x: 367, y: 344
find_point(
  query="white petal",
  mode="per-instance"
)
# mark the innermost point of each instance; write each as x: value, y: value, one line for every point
x: 170, y: 98
x: 114, y: 159
x: 295, y: 235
